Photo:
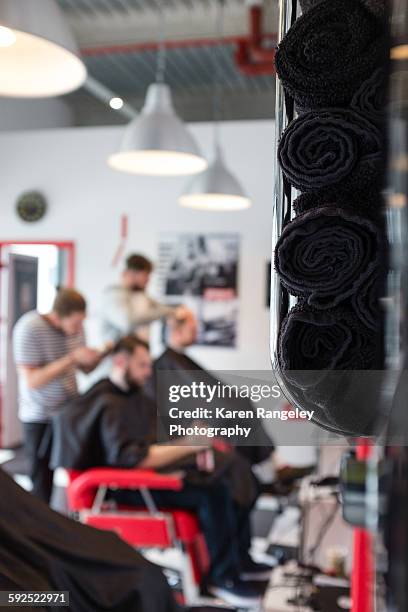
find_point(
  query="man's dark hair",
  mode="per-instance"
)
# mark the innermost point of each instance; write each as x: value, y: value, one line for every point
x: 138, y: 263
x: 128, y: 344
x: 67, y: 302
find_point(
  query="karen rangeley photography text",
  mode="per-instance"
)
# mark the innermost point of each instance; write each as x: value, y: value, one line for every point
x: 204, y: 404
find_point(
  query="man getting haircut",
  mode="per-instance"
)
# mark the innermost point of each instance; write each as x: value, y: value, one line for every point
x: 114, y: 424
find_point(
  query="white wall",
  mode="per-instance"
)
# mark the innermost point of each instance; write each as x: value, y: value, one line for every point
x: 87, y: 199
x: 19, y: 114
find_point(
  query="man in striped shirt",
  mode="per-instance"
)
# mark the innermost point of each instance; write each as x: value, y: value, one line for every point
x: 47, y: 350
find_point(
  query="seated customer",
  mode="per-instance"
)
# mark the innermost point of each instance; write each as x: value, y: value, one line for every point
x: 181, y: 330
x: 113, y: 425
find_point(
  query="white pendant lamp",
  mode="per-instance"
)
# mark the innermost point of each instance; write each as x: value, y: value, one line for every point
x: 157, y: 142
x: 38, y: 54
x: 216, y: 188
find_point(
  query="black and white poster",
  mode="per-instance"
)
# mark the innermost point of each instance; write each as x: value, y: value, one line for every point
x: 201, y: 271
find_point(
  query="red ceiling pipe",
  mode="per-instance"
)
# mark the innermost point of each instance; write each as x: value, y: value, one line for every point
x: 257, y: 39
x: 153, y: 46
x: 172, y: 44
x: 252, y: 57
x: 246, y: 64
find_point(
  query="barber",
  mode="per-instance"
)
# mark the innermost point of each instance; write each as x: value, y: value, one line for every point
x: 127, y: 308
x: 48, y: 349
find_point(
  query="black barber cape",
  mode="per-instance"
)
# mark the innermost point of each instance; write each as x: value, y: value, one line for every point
x: 43, y: 550
x: 104, y: 427
x: 173, y: 360
x: 108, y: 427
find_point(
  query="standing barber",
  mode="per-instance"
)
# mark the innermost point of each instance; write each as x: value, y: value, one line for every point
x: 47, y: 350
x: 127, y: 308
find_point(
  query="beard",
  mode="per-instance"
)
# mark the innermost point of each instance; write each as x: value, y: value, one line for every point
x: 131, y: 382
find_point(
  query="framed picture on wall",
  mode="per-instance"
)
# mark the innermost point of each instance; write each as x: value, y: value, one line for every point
x: 201, y: 271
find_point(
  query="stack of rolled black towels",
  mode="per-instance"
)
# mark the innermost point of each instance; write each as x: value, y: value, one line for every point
x: 332, y: 254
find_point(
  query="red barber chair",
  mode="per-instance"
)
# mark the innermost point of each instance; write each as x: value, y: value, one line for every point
x: 146, y: 527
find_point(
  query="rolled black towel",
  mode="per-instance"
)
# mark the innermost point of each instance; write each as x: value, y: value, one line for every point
x: 370, y: 203
x: 370, y: 98
x: 366, y: 302
x: 375, y: 6
x: 329, y: 364
x: 318, y: 342
x: 326, y: 254
x: 332, y: 149
x: 306, y: 5
x: 329, y: 52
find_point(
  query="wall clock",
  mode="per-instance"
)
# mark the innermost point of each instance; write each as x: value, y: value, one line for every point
x: 31, y: 206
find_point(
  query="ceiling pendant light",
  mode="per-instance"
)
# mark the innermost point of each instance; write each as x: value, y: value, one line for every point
x: 157, y: 142
x: 216, y: 188
x: 38, y: 54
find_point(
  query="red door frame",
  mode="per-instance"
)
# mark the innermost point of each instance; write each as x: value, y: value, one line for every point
x: 69, y: 246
